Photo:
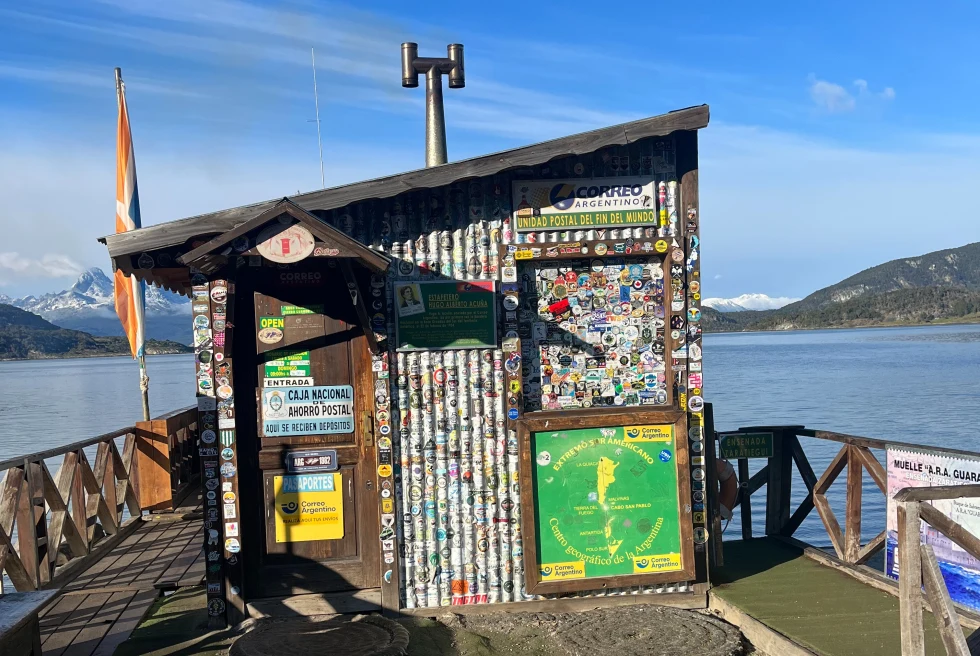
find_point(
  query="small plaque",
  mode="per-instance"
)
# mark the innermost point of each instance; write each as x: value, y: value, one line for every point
x: 309, y: 462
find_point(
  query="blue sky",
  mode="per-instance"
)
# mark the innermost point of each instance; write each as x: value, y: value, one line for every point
x: 842, y: 135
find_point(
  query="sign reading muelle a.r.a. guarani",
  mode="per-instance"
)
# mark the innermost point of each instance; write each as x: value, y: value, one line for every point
x: 595, y: 203
x: 307, y: 410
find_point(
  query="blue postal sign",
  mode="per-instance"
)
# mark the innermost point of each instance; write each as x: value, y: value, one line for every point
x: 320, y: 410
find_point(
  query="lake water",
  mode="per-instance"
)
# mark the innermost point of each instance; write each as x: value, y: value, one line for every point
x: 917, y: 385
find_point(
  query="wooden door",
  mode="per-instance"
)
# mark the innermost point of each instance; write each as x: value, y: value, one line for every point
x: 317, y: 318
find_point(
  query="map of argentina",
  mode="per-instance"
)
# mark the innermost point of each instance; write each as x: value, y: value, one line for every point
x: 607, y: 502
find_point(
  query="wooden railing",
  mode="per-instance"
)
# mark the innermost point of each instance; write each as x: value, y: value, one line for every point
x: 49, y: 523
x: 918, y: 563
x: 918, y: 567
x: 168, y: 461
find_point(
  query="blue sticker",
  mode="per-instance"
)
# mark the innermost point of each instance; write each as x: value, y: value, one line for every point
x: 512, y: 414
x: 665, y: 456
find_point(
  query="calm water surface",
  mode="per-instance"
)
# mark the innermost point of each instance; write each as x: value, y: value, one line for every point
x: 917, y: 385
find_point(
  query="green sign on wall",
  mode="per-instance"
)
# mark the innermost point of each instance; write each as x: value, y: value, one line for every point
x: 606, y: 502
x: 745, y: 445
x: 445, y: 315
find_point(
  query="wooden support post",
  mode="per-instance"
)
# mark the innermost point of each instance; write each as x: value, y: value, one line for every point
x: 947, y: 621
x: 154, y: 457
x: 745, y: 498
x: 779, y: 485
x: 852, y: 519
x: 26, y: 529
x: 910, y: 579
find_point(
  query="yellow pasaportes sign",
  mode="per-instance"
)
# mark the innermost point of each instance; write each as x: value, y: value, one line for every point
x: 309, y: 507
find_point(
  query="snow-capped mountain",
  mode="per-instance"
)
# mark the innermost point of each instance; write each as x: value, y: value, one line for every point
x: 748, y: 302
x: 88, y: 305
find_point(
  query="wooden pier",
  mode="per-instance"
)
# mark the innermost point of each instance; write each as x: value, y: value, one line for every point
x: 109, y: 567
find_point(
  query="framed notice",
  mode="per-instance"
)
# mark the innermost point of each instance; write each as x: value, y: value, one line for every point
x: 441, y: 315
x: 608, y: 498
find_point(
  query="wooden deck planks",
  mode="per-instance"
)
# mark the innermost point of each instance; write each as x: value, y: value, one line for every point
x: 98, y: 610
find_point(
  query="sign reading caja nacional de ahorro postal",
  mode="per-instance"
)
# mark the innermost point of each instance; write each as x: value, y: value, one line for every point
x: 584, y: 204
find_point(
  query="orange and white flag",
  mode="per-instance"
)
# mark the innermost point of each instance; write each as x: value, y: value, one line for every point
x: 129, y: 292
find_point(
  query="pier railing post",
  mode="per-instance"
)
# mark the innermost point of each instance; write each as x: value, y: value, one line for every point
x: 910, y: 579
x: 779, y: 485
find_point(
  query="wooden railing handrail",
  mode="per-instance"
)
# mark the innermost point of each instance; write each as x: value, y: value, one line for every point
x: 937, y: 492
x: 62, y: 450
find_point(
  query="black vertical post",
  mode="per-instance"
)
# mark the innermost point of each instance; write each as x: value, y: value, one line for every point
x: 745, y: 499
x: 715, y: 549
x: 779, y: 485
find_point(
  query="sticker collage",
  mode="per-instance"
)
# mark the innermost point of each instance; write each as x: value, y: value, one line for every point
x: 212, y: 307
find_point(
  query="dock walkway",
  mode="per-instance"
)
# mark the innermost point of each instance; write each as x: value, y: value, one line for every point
x: 817, y: 607
x: 97, y: 611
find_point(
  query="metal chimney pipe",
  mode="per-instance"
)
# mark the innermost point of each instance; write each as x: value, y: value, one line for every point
x: 434, y: 68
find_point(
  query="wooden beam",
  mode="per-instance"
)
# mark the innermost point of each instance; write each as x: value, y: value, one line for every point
x: 832, y: 472
x: 943, y: 611
x: 797, y: 518
x: 357, y: 297
x: 852, y: 512
x: 910, y: 580
x: 876, y: 544
x: 937, y: 492
x: 830, y: 523
x: 802, y: 464
x: 966, y: 540
x: 744, y: 498
x: 874, y: 468
x: 758, y: 479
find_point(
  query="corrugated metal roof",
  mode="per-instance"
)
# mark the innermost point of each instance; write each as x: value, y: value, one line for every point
x: 178, y: 232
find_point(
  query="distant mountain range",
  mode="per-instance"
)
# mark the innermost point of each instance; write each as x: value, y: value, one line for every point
x: 88, y: 306
x: 938, y: 287
x: 748, y: 302
x: 24, y: 335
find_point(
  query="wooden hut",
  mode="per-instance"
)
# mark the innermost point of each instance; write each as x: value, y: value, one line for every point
x: 474, y: 383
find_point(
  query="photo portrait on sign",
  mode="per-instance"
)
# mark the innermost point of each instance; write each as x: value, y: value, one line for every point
x: 409, y: 300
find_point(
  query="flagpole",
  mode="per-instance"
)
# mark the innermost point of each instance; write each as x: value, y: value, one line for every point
x: 141, y: 355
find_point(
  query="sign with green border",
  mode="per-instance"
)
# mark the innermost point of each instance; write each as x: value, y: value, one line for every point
x: 606, y: 502
x: 745, y: 445
x: 443, y: 315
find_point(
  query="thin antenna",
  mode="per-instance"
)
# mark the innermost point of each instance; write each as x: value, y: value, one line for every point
x: 316, y: 100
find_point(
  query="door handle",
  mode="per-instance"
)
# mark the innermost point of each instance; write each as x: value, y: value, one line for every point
x: 367, y: 428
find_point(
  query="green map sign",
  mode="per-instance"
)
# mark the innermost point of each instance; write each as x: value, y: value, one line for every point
x: 606, y: 502
x: 445, y: 315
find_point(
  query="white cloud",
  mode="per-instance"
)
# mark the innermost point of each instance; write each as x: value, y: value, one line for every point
x: 834, y: 98
x: 49, y: 265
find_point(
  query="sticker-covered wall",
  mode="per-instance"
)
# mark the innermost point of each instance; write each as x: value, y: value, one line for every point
x: 449, y: 392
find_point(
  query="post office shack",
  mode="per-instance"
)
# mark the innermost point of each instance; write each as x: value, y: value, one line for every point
x: 474, y: 383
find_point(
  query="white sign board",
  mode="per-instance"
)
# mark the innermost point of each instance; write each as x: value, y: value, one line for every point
x: 307, y: 410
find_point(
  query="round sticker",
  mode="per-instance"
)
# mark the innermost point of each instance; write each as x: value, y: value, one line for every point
x: 224, y: 391
x: 700, y: 534
x: 228, y: 497
x: 601, y: 249
x: 695, y: 404
x: 208, y: 436
x: 544, y: 459
x: 145, y: 261
x: 698, y: 474
x: 665, y: 456
x: 270, y: 335
x: 384, y: 471
x: 285, y: 244
x: 227, y: 470
x: 219, y: 294
x: 204, y: 357
x: 693, y: 314
x: 201, y: 321
x: 512, y: 414
x: 227, y: 454
x: 660, y: 246
x: 677, y: 255
x: 216, y: 607
x: 232, y: 545
x: 510, y: 303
